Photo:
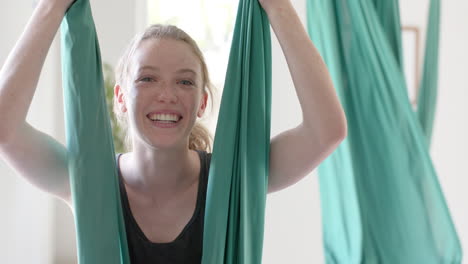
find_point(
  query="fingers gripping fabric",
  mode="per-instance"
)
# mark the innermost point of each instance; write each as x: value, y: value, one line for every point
x: 381, y: 199
x: 237, y: 185
x: 101, y: 237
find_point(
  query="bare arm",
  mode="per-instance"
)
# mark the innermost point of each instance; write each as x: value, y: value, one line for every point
x: 296, y: 152
x: 34, y: 155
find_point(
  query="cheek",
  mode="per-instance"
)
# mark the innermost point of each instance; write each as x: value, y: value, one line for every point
x: 136, y: 97
x: 134, y: 102
x: 196, y: 101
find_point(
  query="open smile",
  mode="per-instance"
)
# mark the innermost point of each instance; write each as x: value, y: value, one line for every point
x: 164, y: 120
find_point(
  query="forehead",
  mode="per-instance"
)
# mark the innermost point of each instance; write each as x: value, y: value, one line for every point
x: 166, y: 54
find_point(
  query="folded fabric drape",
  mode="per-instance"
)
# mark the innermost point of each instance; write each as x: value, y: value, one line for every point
x: 238, y: 176
x: 381, y: 199
x: 428, y: 88
x: 237, y: 185
x: 100, y: 227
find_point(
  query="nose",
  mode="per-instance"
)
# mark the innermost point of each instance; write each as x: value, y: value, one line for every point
x: 167, y: 94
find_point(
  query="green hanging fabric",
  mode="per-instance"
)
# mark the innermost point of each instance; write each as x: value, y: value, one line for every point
x: 239, y: 166
x: 389, y: 14
x: 101, y: 237
x: 381, y: 200
x: 238, y: 175
x: 427, y: 95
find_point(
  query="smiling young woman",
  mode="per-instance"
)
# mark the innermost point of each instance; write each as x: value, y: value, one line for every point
x: 165, y: 80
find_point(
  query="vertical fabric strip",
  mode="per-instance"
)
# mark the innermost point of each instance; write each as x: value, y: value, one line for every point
x: 237, y: 187
x: 101, y: 237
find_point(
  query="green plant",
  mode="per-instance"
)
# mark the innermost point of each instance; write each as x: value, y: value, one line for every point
x: 118, y: 133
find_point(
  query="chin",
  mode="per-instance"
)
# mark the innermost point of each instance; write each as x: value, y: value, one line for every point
x: 167, y: 143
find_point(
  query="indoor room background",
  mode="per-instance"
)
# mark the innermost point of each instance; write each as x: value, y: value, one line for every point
x: 37, y: 228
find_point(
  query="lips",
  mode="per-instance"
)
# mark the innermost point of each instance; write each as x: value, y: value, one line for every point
x: 164, y: 118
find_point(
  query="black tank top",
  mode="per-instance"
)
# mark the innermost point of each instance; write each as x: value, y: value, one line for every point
x: 187, y: 247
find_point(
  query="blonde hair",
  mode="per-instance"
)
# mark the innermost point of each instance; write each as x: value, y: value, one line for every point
x: 200, y: 138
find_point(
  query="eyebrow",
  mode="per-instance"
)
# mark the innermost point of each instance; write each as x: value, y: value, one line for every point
x: 148, y: 67
x: 187, y: 70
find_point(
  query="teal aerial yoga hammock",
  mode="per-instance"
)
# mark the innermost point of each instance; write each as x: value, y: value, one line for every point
x: 238, y: 175
x: 381, y: 200
x: 237, y: 185
x: 100, y: 227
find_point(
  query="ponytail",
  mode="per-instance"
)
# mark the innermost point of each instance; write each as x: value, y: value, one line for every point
x: 200, y: 138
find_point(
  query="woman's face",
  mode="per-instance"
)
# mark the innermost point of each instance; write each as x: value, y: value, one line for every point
x: 164, y: 94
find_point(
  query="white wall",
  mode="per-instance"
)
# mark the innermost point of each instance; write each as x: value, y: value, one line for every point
x: 450, y: 143
x: 293, y: 230
x: 26, y: 213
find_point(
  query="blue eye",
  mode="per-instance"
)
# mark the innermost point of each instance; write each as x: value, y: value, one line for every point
x: 146, y: 79
x: 186, y: 82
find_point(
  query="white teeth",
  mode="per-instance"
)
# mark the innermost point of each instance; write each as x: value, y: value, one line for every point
x: 164, y: 117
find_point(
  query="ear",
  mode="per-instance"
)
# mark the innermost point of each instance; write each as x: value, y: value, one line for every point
x: 119, y: 98
x: 204, y: 102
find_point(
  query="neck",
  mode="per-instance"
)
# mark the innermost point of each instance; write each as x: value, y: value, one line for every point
x: 151, y: 171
